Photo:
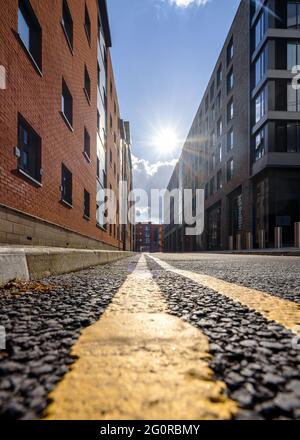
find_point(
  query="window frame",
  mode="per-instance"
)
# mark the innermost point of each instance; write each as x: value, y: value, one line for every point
x: 66, y: 191
x: 32, y: 48
x: 64, y: 24
x: 87, y: 145
x: 87, y: 24
x: 86, y: 204
x: 34, y: 141
x: 87, y: 84
x: 69, y: 119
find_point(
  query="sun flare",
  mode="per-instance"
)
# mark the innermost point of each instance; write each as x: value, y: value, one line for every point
x: 166, y: 140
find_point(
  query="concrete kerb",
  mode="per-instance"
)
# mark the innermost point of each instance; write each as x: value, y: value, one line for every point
x: 24, y: 264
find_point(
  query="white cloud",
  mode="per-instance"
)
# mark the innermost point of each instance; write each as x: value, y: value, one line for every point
x: 149, y: 176
x: 186, y: 3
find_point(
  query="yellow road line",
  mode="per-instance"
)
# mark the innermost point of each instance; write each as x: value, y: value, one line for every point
x: 138, y: 362
x: 284, y: 312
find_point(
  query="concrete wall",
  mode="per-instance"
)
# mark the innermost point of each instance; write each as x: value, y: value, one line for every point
x: 21, y: 229
x: 25, y: 264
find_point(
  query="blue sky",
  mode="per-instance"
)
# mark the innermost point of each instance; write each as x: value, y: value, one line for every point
x: 163, y: 55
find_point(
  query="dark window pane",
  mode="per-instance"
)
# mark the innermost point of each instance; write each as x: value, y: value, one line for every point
x: 67, y: 22
x: 87, y: 143
x: 87, y: 24
x: 87, y: 82
x: 67, y: 103
x: 66, y: 182
x: 86, y: 204
x: 29, y: 31
x: 29, y: 144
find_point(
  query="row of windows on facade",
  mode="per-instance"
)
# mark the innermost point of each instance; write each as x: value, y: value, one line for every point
x: 216, y: 182
x: 286, y: 140
x: 262, y: 24
x: 287, y: 57
x: 29, y: 163
x: 31, y: 36
x: 30, y: 30
x: 219, y: 78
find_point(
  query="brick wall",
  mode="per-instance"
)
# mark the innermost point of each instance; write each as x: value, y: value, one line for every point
x: 38, y: 99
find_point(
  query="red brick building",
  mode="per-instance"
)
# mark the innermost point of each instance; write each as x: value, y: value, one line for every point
x: 149, y: 237
x: 59, y: 124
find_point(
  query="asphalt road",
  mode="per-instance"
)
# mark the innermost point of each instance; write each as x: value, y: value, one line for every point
x: 112, y: 330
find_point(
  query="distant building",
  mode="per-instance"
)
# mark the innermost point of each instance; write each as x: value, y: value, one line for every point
x: 60, y: 137
x: 149, y: 237
x: 243, y: 147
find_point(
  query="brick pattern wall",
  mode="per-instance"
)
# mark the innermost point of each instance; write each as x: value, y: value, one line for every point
x: 38, y: 99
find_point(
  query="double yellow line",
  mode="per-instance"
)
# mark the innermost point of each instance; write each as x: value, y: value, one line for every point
x: 139, y: 362
x: 284, y: 312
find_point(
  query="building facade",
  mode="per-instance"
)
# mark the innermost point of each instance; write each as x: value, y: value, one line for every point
x: 60, y: 141
x: 126, y: 173
x: 149, y: 237
x: 243, y: 148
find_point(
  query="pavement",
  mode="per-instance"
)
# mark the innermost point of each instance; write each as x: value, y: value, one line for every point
x: 24, y: 263
x: 157, y: 337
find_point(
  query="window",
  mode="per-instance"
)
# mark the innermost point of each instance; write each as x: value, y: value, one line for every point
x: 260, y: 106
x: 230, y: 51
x: 29, y: 145
x: 98, y: 120
x: 230, y: 81
x: 293, y: 54
x: 230, y: 139
x: 212, y: 186
x: 67, y: 103
x: 86, y: 204
x: 293, y: 137
x: 98, y: 167
x: 288, y: 137
x: 219, y: 102
x: 67, y: 23
x: 219, y: 180
x: 212, y: 92
x: 260, y: 67
x: 206, y: 103
x: 220, y: 153
x: 87, y: 24
x: 66, y: 185
x: 30, y: 32
x: 219, y: 76
x: 229, y: 170
x: 206, y: 190
x: 213, y: 161
x: 258, y: 4
x: 98, y: 75
x: 87, y: 143
x: 260, y: 28
x: 213, y: 113
x: 260, y: 144
x: 219, y: 128
x: 87, y: 83
x: 230, y: 111
x: 293, y: 99
x: 293, y: 15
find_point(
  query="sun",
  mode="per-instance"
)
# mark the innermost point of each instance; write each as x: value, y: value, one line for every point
x: 166, y: 140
